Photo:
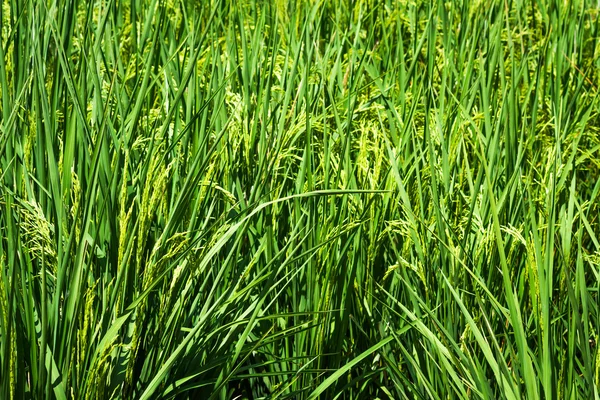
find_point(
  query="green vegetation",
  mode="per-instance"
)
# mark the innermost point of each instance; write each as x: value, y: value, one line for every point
x: 300, y: 199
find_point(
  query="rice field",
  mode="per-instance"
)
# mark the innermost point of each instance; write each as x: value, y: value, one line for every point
x: 298, y: 199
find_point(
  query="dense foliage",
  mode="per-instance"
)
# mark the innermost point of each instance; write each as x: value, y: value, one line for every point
x: 299, y: 199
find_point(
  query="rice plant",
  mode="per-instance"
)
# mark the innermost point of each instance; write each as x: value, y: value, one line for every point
x: 299, y: 199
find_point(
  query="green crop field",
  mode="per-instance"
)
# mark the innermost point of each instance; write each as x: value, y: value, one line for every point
x: 300, y: 199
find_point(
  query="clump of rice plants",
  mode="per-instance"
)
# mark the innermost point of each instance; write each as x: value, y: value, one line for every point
x: 299, y: 199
